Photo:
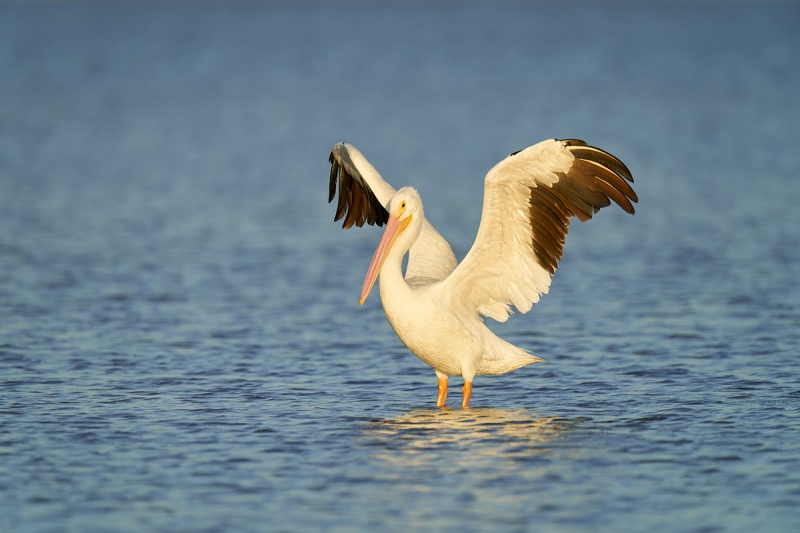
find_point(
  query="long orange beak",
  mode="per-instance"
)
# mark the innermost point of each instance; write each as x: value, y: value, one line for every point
x: 394, y: 227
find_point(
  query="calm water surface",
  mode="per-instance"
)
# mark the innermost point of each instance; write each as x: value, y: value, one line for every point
x: 181, y: 345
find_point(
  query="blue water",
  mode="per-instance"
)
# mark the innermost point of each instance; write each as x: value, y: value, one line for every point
x: 181, y: 345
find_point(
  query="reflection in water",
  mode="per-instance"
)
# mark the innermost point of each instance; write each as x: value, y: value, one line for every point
x: 469, y: 438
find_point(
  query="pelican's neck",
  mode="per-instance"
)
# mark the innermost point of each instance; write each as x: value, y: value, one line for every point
x: 392, y: 283
x: 391, y: 277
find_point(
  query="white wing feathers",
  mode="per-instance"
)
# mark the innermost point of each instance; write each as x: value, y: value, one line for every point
x: 364, y: 196
x: 529, y: 198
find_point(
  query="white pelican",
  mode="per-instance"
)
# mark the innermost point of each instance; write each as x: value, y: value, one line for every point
x: 437, y: 308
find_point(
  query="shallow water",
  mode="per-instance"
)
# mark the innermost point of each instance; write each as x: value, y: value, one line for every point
x: 181, y: 346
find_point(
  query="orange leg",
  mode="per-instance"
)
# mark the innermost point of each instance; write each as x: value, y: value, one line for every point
x: 440, y: 399
x: 467, y: 390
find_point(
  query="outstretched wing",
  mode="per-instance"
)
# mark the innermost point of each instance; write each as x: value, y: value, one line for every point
x: 529, y: 198
x: 364, y: 196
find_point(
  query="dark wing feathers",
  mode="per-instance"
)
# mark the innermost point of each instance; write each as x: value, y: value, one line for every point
x: 357, y: 203
x: 590, y: 153
x: 583, y: 175
x: 595, y: 179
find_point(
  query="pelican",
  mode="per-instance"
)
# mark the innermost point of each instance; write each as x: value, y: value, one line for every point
x: 437, y: 308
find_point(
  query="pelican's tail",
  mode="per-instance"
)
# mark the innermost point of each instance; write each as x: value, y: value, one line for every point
x: 506, y: 358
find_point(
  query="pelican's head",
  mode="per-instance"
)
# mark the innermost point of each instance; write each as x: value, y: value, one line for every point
x: 402, y: 229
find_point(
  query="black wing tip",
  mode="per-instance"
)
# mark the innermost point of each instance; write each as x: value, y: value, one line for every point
x: 357, y: 203
x: 572, y: 142
x: 603, y: 157
x: 614, y: 170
